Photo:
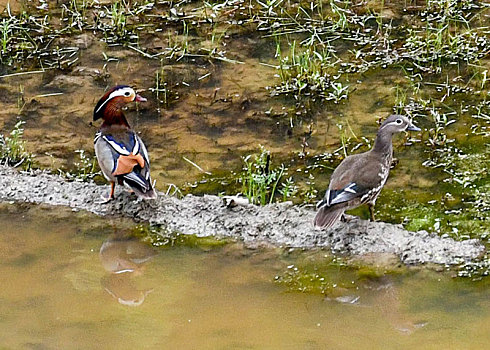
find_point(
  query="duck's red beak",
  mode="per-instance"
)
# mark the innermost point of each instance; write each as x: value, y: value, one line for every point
x: 139, y: 98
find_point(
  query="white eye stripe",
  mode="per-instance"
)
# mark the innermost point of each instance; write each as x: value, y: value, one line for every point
x: 118, y: 92
x: 391, y: 123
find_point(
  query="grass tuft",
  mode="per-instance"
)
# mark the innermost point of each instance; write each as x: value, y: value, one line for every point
x: 259, y: 180
x: 13, y: 151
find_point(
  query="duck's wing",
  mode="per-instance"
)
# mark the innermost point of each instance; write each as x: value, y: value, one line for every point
x: 106, y: 157
x: 124, y: 157
x: 345, y: 194
x: 355, y: 178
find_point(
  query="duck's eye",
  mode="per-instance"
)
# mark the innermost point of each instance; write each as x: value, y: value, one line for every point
x: 127, y: 93
x: 398, y: 121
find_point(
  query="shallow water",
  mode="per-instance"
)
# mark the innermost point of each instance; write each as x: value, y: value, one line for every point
x: 71, y: 280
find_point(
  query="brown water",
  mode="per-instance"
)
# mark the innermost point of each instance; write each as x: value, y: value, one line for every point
x: 61, y: 290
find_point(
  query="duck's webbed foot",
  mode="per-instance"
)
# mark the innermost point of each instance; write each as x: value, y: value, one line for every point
x: 104, y: 199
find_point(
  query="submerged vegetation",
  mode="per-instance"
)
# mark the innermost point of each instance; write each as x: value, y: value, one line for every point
x: 159, y: 236
x: 333, y: 276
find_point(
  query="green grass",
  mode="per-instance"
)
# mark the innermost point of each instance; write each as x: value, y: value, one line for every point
x: 5, y: 33
x: 260, y: 180
x: 84, y: 168
x: 306, y: 72
x: 263, y: 183
x: 75, y: 13
x: 313, y: 62
x: 13, y: 151
x: 164, y: 93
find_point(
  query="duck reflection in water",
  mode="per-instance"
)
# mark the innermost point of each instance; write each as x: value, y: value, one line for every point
x: 125, y: 258
x: 383, y: 295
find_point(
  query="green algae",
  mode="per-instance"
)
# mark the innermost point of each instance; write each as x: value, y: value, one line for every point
x: 322, y: 273
x: 158, y: 236
x: 461, y: 209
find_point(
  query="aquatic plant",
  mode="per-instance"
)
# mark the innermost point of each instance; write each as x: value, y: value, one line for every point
x: 84, y: 169
x: 13, y: 151
x: 164, y: 94
x: 429, y: 50
x: 307, y: 73
x: 438, y: 36
x: 437, y: 136
x: 341, y: 23
x: 457, y: 204
x: 75, y: 14
x: 288, y: 189
x: 259, y: 180
x: 330, y: 275
x: 5, y: 32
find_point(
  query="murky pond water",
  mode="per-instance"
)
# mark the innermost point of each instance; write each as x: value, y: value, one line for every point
x: 71, y: 280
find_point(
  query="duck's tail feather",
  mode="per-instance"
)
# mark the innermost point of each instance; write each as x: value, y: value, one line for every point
x: 326, y: 217
x: 141, y: 186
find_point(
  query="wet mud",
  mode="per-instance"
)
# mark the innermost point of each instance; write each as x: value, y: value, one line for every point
x: 277, y: 224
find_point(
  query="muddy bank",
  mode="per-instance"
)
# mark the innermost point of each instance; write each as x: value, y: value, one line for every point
x: 280, y: 224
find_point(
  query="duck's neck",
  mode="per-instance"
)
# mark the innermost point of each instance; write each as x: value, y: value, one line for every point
x: 114, y: 116
x: 383, y: 144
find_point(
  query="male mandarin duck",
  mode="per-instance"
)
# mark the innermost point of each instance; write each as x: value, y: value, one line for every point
x: 121, y: 154
x: 360, y: 177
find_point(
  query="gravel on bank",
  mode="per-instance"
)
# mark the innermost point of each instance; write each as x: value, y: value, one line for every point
x: 277, y: 224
